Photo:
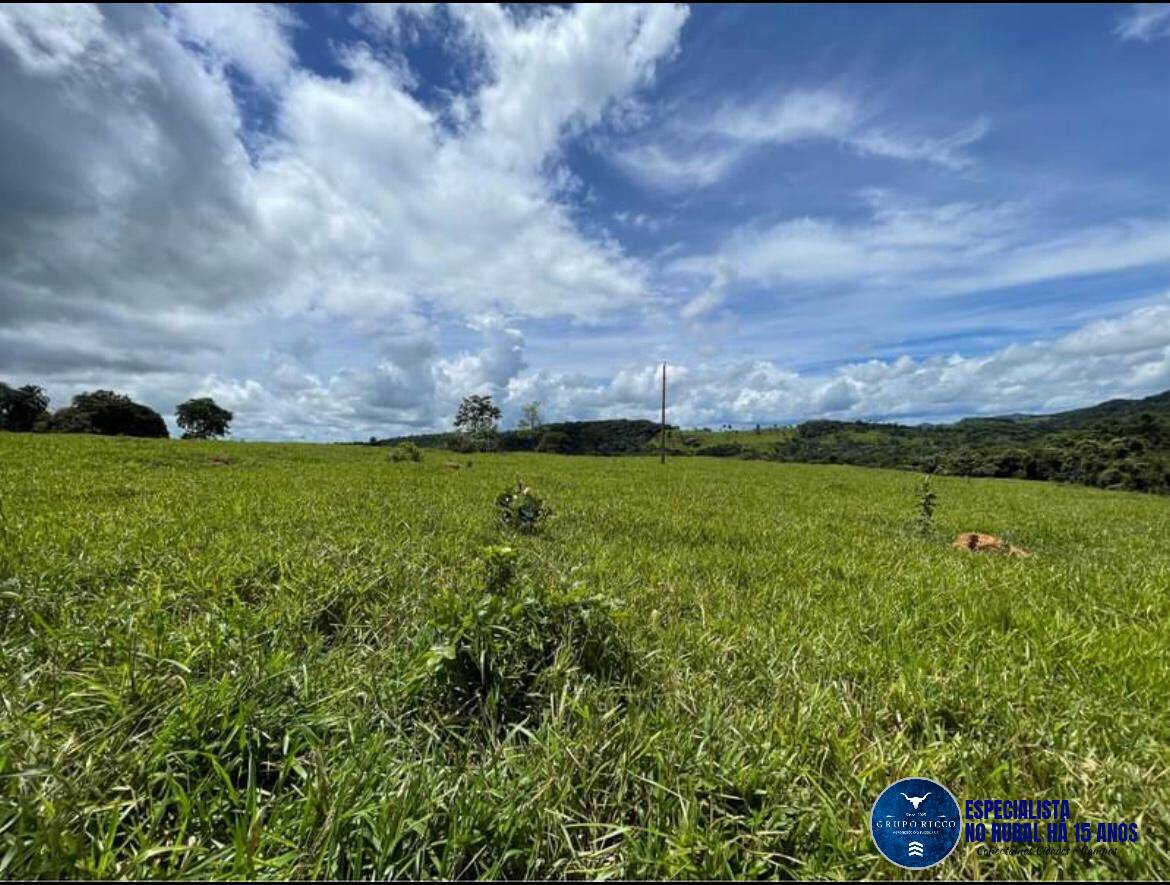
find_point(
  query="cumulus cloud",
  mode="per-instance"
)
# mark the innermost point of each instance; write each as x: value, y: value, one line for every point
x: 124, y: 148
x: 413, y: 388
x: 1124, y: 356
x: 251, y: 36
x: 134, y: 209
x: 409, y: 385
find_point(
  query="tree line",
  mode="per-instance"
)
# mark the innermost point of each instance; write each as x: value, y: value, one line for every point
x: 1120, y: 444
x: 476, y: 429
x: 107, y: 413
x: 1107, y: 447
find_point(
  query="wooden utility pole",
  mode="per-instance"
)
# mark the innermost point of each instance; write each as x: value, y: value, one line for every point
x: 663, y: 413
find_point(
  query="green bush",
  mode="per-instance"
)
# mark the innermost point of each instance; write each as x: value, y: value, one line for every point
x: 498, y: 652
x: 520, y: 509
x: 406, y: 451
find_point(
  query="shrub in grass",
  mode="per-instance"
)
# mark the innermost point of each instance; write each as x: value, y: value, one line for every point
x: 520, y: 509
x: 406, y: 451
x: 927, y: 502
x: 497, y: 652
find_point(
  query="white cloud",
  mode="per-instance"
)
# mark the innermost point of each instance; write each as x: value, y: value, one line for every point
x: 144, y: 246
x: 394, y: 19
x: 412, y: 388
x: 251, y: 36
x: 710, y: 298
x: 946, y: 151
x: 660, y: 167
x: 933, y: 250
x: 467, y: 220
x: 785, y: 118
x: 696, y: 149
x: 409, y: 387
x: 50, y: 38
x: 1145, y: 22
x: 562, y: 69
x: 130, y: 197
x: 1140, y: 331
x: 1124, y: 356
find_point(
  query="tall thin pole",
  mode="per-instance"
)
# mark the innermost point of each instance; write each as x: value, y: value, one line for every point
x: 663, y: 413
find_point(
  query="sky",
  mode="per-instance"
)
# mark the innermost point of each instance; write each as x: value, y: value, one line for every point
x: 337, y: 221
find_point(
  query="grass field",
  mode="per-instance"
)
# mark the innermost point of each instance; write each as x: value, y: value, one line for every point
x: 254, y: 668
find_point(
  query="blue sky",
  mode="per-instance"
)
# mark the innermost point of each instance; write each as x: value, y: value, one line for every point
x: 339, y: 220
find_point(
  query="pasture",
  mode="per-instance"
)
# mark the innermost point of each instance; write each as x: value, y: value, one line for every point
x: 227, y: 659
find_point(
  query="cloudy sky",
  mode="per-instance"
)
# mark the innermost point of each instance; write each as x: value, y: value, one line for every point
x: 339, y: 220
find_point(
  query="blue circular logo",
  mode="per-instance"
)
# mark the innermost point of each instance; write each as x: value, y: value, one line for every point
x: 915, y: 823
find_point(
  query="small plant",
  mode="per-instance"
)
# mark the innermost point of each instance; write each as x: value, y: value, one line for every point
x: 497, y: 567
x: 927, y: 501
x: 406, y: 451
x: 500, y: 651
x: 520, y: 509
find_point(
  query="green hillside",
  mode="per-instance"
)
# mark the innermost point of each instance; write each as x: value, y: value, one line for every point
x: 1120, y: 444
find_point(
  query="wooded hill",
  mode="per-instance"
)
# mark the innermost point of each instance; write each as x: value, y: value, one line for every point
x: 1116, y: 444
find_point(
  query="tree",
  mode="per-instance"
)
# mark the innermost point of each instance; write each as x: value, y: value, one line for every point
x: 202, y: 419
x: 476, y: 419
x: 21, y: 408
x: 530, y: 417
x: 109, y: 414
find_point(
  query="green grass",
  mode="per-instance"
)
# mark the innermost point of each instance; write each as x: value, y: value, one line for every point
x: 223, y: 670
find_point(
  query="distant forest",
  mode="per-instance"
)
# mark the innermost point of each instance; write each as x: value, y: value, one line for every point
x: 1119, y: 444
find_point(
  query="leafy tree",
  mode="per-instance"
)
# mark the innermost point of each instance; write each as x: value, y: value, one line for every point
x: 109, y: 414
x: 530, y: 417
x: 21, y: 408
x: 476, y: 419
x: 202, y: 419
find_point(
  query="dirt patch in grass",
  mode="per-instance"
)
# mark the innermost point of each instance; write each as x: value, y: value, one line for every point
x: 980, y: 543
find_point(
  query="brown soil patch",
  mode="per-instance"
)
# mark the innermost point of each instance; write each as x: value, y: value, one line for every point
x: 981, y: 543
